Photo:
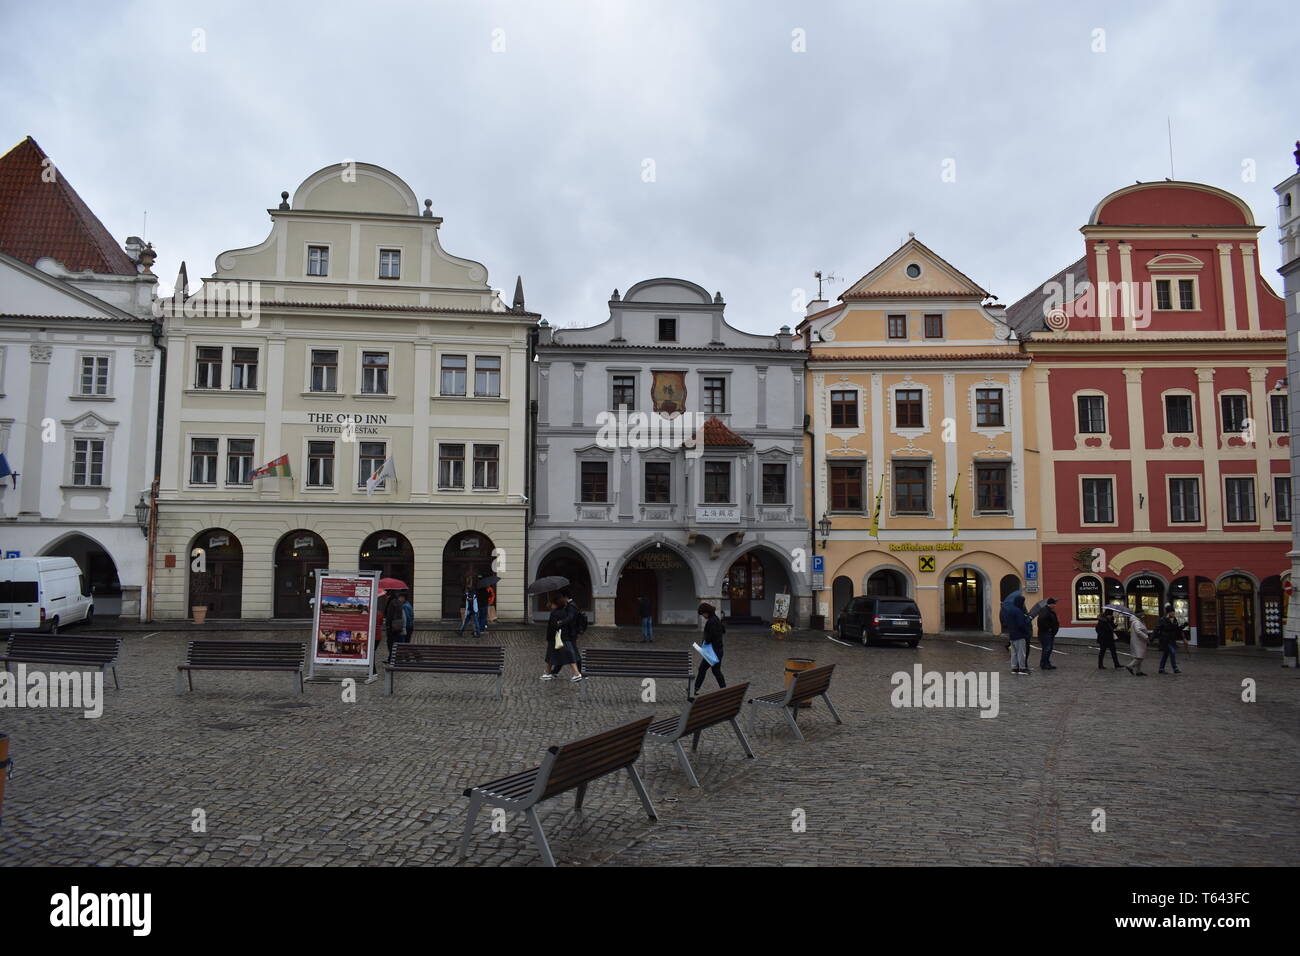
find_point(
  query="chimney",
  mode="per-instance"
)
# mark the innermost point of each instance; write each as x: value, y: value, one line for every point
x: 815, y: 306
x: 784, y: 338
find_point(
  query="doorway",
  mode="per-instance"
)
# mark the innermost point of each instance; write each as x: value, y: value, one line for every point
x: 963, y: 601
x: 391, y: 554
x: 298, y: 556
x: 634, y: 584
x: 886, y: 583
x: 745, y: 586
x: 1237, y: 610
x: 220, y: 586
x: 566, y: 563
x: 466, y: 558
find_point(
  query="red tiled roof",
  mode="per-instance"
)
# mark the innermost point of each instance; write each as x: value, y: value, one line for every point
x: 40, y: 218
x: 923, y: 357
x: 716, y: 433
x: 915, y: 294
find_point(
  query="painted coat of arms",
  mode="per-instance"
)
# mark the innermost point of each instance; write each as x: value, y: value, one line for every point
x: 668, y: 392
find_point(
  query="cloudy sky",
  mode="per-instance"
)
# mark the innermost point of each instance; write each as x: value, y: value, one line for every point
x: 777, y: 138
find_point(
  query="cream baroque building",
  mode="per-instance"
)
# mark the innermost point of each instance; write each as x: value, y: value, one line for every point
x: 366, y: 341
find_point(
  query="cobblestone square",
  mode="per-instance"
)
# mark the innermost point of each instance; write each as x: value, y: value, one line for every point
x: 1186, y: 772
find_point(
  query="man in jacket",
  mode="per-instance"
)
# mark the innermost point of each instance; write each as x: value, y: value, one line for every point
x: 1048, y: 625
x: 647, y: 620
x: 1018, y: 627
x: 1169, y: 632
x: 1106, y: 639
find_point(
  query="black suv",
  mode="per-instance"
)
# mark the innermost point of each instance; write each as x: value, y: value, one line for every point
x: 872, y: 619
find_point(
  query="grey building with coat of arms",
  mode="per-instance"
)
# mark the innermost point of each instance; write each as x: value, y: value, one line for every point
x: 669, y: 462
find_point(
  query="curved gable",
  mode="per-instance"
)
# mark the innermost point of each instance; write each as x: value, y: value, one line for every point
x: 1171, y: 204
x: 367, y: 188
x: 668, y: 290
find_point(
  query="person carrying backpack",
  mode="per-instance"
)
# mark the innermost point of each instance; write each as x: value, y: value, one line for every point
x: 1106, y: 639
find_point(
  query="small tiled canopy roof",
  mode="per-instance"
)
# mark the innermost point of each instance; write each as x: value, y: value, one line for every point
x: 716, y: 433
x: 42, y: 215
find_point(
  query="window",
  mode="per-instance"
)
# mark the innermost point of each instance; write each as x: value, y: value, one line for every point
x: 390, y: 264
x: 243, y: 368
x: 239, y: 461
x: 374, y: 373
x: 487, y: 375
x: 907, y: 408
x: 658, y: 488
x: 934, y: 326
x: 1240, y: 499
x: 1234, y: 412
x: 624, y: 392
x: 94, y: 375
x: 1186, y: 289
x: 991, y: 488
x: 897, y: 326
x: 324, y: 370
x: 1092, y: 414
x: 911, y: 489
x: 844, y: 409
x: 1164, y: 298
x: 454, y: 370
x: 846, y: 488
x: 595, y: 482
x: 451, y: 466
x: 1098, y: 501
x: 1279, y: 414
x: 1087, y: 599
x: 1282, y: 498
x: 88, y: 462
x: 203, y: 461
x: 1184, y: 500
x: 372, y: 457
x: 774, y: 483
x: 1178, y: 414
x: 208, y: 367
x: 318, y: 260
x: 667, y: 330
x: 715, y: 396
x: 988, y: 408
x: 486, y: 467
x: 1186, y: 295
x: 717, y: 482
x: 320, y: 464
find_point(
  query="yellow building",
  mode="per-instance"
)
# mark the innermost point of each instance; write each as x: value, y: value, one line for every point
x: 921, y: 481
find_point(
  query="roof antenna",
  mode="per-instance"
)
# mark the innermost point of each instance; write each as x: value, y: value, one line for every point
x: 144, y: 227
x: 824, y: 277
x: 1169, y: 123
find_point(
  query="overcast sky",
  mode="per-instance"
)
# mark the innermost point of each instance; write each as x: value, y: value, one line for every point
x: 529, y: 125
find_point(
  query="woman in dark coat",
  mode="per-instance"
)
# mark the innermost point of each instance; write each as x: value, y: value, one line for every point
x: 713, y: 631
x: 562, y: 621
x: 1106, y: 638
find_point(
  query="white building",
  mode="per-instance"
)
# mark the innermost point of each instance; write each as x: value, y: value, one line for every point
x: 1288, y: 209
x: 627, y: 518
x: 78, y: 384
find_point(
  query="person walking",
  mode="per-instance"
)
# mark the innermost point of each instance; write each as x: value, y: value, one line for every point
x: 491, y: 605
x: 560, y: 628
x: 576, y: 629
x: 408, y: 617
x: 1106, y: 639
x: 713, y: 631
x: 470, y: 609
x: 1138, y: 635
x: 1169, y: 632
x: 1018, y: 627
x: 394, y: 622
x: 482, y: 598
x: 1048, y: 625
x: 647, y: 619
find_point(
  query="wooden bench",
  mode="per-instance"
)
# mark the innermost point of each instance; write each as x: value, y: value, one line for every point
x: 446, y: 659
x: 622, y: 662
x: 701, y: 714
x: 805, y: 686
x: 79, y: 651
x: 242, y: 656
x: 567, y: 767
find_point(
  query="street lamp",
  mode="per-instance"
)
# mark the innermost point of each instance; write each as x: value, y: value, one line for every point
x: 142, y: 515
x: 824, y: 526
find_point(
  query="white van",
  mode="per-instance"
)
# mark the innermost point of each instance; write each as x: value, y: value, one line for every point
x: 42, y: 594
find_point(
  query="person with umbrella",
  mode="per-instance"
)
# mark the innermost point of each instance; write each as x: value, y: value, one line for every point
x: 1138, y: 635
x: 1106, y: 639
x: 1169, y: 631
x: 561, y: 626
x: 1018, y: 627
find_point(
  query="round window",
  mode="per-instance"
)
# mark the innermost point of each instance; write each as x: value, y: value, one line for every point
x: 913, y: 271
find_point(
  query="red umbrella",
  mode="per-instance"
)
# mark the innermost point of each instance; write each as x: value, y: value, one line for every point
x: 391, y: 584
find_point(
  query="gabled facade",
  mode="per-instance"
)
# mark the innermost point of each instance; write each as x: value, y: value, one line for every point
x: 79, y: 381
x: 356, y: 340
x: 625, y: 515
x: 1160, y: 371
x: 917, y: 400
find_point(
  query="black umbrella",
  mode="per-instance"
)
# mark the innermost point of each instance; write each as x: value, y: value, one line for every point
x: 547, y: 584
x: 488, y: 581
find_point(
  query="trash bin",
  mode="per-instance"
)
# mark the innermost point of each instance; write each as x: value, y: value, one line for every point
x: 4, y: 771
x: 817, y: 622
x: 793, y: 666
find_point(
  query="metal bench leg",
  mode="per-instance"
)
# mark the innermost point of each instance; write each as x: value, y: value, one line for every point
x: 388, y: 683
x: 498, y: 687
x: 740, y: 735
x: 189, y: 675
x: 789, y: 715
x: 686, y: 764
x: 579, y: 794
x: 641, y: 792
x: 113, y: 668
x: 827, y: 698
x: 475, y: 801
x: 753, y: 717
x: 297, y: 677
x: 695, y: 741
x: 539, y: 837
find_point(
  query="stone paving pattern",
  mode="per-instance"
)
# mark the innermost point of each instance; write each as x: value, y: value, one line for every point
x: 1186, y: 772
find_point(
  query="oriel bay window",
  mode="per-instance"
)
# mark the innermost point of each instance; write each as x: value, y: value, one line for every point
x: 486, y: 467
x: 658, y: 482
x: 844, y: 409
x: 1098, y: 500
x: 324, y: 370
x: 320, y: 464
x: 991, y: 488
x: 203, y: 461
x: 451, y: 466
x: 595, y: 482
x: 239, y: 461
x: 774, y: 483
x: 207, y: 366
x: 372, y: 456
x: 454, y: 371
x: 846, y: 487
x: 88, y: 462
x: 243, y: 369
x: 717, y: 482
x: 374, y: 373
x: 908, y: 410
x: 988, y: 408
x: 911, y: 489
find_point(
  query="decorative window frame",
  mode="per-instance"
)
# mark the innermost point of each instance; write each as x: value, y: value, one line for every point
x: 339, y: 385
x: 972, y: 405
x: 1114, y: 505
x: 729, y: 394
x: 188, y: 462
x: 677, y: 330
x: 943, y: 322
x: 594, y: 453
x: 1005, y: 461
x: 467, y: 479
x: 358, y: 368
x: 674, y: 475
x: 192, y: 382
x: 738, y: 459
x: 855, y: 457
x: 1074, y: 595
x: 223, y: 461
x: 907, y: 327
x: 1169, y: 499
x: 78, y: 395
x: 1173, y: 279
x: 333, y: 486
x: 1218, y: 410
x: 612, y: 372
x: 503, y: 373
x: 846, y: 431
x: 1290, y: 496
x: 1081, y: 438
x: 774, y: 456
x: 88, y: 426
x: 925, y: 460
x: 358, y: 487
x: 1168, y: 437
x: 471, y: 459
x: 910, y: 432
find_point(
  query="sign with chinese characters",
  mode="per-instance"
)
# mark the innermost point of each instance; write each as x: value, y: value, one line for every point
x: 717, y: 515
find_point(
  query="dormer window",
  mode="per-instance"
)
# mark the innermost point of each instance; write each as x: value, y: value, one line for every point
x: 318, y: 260
x: 1185, y: 289
x: 390, y: 263
x: 667, y: 330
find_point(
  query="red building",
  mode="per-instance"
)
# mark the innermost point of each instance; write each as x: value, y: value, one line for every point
x: 1160, y: 359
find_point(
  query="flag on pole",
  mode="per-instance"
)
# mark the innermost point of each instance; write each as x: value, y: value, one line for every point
x: 875, y: 515
x: 955, y: 485
x: 273, y: 469
x: 386, y: 470
x: 7, y: 472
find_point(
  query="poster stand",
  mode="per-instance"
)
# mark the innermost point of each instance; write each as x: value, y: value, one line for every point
x: 344, y: 599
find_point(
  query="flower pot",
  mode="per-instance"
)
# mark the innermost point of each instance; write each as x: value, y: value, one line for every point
x: 200, y: 613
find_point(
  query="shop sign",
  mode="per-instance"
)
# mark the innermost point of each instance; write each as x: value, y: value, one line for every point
x: 662, y: 560
x: 386, y: 544
x: 926, y: 546
x: 307, y: 541
x: 357, y: 423
x: 218, y: 541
